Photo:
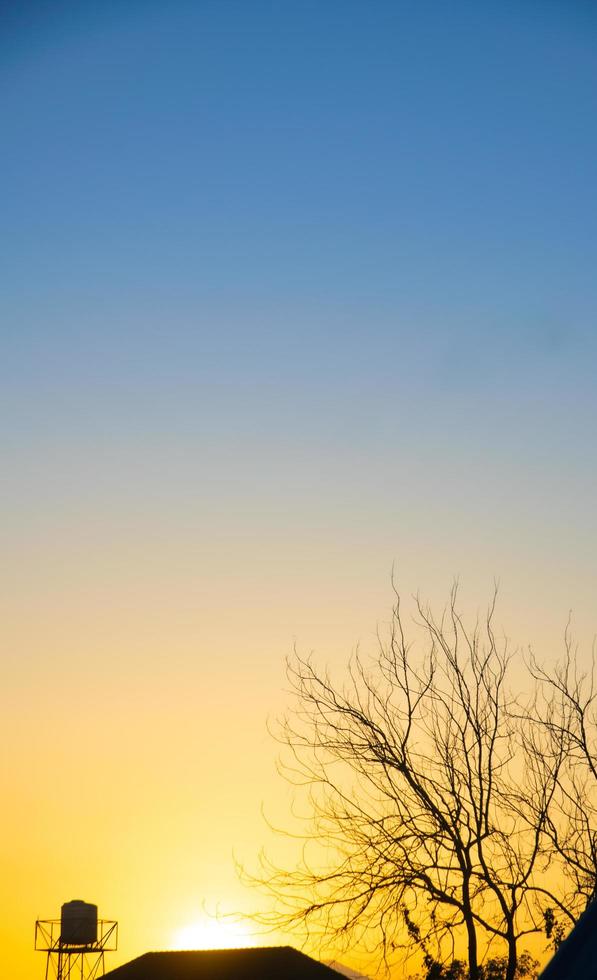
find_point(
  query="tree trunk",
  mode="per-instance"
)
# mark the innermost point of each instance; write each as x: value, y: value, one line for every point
x: 473, y: 953
x: 512, y: 954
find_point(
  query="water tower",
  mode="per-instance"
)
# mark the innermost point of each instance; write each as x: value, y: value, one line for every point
x: 75, y: 943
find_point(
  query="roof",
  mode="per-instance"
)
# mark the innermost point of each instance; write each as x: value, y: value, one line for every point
x: 577, y: 956
x: 260, y: 963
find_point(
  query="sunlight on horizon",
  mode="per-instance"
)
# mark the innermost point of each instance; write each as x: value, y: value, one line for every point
x: 207, y: 933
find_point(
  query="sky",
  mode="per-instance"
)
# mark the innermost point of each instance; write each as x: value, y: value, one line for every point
x: 292, y: 294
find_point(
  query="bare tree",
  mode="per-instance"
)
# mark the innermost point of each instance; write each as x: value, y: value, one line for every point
x: 561, y: 733
x: 412, y: 772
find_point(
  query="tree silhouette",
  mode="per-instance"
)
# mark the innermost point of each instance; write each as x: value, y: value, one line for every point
x: 561, y: 733
x: 430, y: 821
x: 494, y: 968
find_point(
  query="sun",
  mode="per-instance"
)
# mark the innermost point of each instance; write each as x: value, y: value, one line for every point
x: 208, y: 933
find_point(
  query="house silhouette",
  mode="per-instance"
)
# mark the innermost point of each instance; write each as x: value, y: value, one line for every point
x: 260, y: 963
x: 577, y: 956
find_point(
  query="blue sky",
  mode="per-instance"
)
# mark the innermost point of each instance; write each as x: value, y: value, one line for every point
x: 298, y: 219
x: 344, y: 245
x: 433, y: 158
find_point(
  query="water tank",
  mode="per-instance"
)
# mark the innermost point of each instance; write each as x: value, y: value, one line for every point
x: 78, y: 923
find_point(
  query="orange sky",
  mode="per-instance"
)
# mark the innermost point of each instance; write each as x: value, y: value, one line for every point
x: 134, y: 775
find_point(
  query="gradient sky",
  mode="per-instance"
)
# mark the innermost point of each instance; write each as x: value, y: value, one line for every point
x: 291, y: 292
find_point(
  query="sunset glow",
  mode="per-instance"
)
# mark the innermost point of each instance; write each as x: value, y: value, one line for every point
x: 213, y: 934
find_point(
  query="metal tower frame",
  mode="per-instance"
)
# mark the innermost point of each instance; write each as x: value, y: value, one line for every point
x: 66, y: 961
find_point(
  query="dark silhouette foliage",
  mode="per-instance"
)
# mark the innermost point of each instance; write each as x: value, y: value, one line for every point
x: 494, y: 968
